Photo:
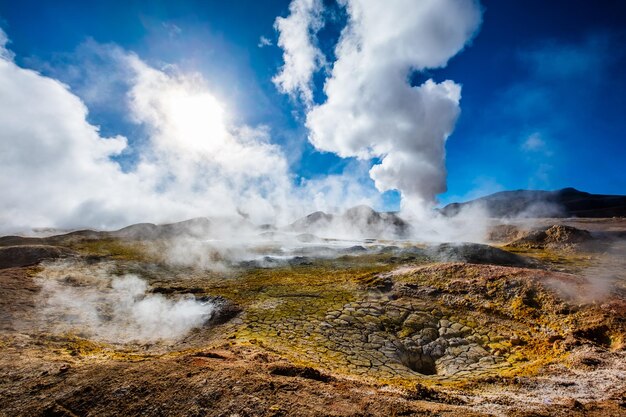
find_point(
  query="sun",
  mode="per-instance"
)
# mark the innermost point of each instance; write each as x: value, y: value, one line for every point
x: 197, y: 120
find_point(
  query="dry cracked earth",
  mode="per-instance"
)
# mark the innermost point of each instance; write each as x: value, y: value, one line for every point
x: 532, y: 325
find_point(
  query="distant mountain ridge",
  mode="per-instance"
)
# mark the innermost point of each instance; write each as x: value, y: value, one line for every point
x: 567, y: 202
x: 199, y: 227
x: 359, y: 221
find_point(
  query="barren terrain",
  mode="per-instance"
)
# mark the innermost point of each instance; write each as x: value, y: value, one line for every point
x: 533, y: 325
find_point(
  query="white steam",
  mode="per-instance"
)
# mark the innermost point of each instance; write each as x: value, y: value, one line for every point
x: 301, y: 55
x: 372, y: 111
x: 57, y: 170
x: 97, y: 305
x: 605, y: 277
x: 5, y: 53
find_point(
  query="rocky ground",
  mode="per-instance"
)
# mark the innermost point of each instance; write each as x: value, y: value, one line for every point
x: 534, y: 328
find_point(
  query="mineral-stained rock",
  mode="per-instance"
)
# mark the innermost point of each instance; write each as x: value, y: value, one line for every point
x: 553, y: 237
x: 477, y: 254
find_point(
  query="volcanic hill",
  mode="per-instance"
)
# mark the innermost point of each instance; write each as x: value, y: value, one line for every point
x: 567, y: 202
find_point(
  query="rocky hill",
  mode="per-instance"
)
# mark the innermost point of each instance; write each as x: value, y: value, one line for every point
x: 360, y: 221
x: 199, y: 227
x: 567, y: 202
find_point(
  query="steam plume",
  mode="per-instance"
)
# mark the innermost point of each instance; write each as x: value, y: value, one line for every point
x: 91, y: 301
x: 302, y: 57
x: 372, y: 111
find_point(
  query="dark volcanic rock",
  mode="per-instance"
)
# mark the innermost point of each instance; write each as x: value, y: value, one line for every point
x: 20, y: 240
x: 476, y: 254
x: 226, y: 310
x: 298, y: 371
x: 358, y: 249
x: 58, y: 240
x: 26, y: 255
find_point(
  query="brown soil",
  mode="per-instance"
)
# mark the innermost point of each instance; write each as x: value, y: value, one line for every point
x: 357, y: 336
x: 554, y: 236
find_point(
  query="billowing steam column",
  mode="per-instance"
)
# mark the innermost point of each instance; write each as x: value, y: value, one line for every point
x: 371, y: 109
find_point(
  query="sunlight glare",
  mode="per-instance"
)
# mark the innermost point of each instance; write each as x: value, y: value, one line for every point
x: 198, y: 120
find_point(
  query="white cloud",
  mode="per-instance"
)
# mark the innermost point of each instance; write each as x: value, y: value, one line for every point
x: 4, y: 52
x: 200, y: 151
x: 301, y: 55
x: 332, y: 193
x: 50, y: 154
x: 371, y: 110
x: 537, y: 146
x: 560, y: 62
x: 538, y: 154
x: 57, y: 169
x: 264, y: 41
x: 172, y: 29
x: 535, y: 143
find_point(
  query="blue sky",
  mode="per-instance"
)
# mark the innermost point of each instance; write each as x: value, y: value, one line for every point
x: 543, y: 101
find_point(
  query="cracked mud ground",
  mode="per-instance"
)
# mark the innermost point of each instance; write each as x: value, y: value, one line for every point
x: 390, y: 333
